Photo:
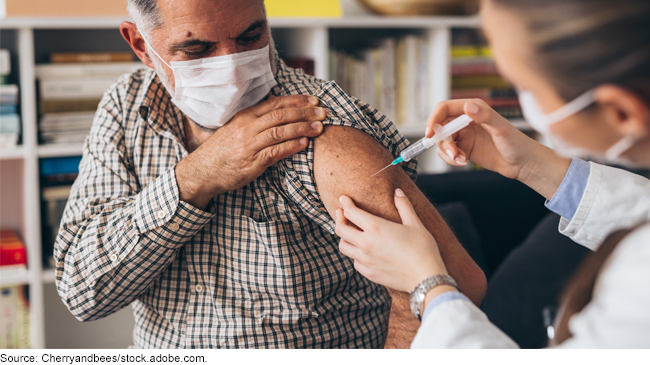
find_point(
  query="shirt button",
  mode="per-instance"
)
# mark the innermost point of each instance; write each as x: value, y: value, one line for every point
x: 161, y: 214
x: 113, y: 257
x: 198, y: 288
x: 174, y: 226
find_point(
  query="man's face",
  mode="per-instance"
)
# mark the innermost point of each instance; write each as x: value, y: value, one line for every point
x: 194, y: 29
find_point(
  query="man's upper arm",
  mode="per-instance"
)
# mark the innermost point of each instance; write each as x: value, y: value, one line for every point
x: 345, y: 158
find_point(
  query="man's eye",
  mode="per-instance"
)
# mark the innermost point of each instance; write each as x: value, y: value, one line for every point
x: 252, y: 39
x: 196, y: 50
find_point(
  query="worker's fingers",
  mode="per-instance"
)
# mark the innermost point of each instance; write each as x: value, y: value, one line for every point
x: 459, y: 159
x: 451, y: 154
x: 346, y: 230
x: 442, y: 112
x: 289, y: 101
x: 477, y: 109
x: 405, y: 210
x: 362, y: 219
x: 286, y: 132
x: 271, y: 155
x: 350, y: 250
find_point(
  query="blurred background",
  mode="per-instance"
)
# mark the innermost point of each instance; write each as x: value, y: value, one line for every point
x: 57, y: 57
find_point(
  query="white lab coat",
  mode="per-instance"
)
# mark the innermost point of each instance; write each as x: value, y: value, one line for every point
x: 618, y: 315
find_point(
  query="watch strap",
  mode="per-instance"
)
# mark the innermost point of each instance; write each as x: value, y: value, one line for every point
x: 419, y: 293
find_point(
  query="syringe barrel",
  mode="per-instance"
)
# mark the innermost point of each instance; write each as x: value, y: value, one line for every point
x: 417, y: 148
x: 425, y: 143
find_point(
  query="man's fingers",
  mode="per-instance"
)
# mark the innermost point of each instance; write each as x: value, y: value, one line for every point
x: 361, y: 218
x: 285, y: 116
x: 280, y: 102
x: 271, y: 155
x: 405, y: 209
x: 287, y: 132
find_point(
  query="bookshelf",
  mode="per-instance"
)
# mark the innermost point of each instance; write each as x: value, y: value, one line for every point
x: 30, y: 38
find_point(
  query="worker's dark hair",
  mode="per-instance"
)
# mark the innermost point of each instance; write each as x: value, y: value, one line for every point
x: 580, y: 44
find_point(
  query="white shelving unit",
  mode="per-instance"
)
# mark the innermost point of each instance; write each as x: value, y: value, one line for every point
x: 295, y: 37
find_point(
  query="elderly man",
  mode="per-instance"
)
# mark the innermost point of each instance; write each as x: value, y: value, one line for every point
x: 207, y: 204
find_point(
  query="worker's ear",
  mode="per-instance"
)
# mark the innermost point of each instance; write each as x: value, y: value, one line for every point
x: 625, y: 111
x: 134, y: 38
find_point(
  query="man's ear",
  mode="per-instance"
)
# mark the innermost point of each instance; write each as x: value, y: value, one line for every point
x: 134, y: 38
x: 626, y: 111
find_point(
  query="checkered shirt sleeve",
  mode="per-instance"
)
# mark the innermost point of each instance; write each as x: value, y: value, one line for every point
x: 116, y: 237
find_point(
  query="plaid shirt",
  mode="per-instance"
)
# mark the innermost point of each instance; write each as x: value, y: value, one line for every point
x: 259, y: 268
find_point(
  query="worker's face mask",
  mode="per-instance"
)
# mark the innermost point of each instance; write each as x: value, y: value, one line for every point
x: 212, y: 90
x: 541, y: 123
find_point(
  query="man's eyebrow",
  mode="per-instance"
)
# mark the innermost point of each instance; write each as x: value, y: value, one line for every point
x: 190, y: 43
x: 257, y: 25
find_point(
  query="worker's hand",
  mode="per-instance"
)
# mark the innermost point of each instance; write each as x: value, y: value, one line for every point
x: 495, y: 144
x: 243, y: 149
x: 398, y: 256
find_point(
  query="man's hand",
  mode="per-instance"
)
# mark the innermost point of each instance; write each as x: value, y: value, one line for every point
x: 243, y: 149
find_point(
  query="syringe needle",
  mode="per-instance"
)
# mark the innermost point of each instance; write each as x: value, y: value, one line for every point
x: 377, y: 173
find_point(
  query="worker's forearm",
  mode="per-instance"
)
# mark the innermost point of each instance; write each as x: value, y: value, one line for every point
x: 545, y: 171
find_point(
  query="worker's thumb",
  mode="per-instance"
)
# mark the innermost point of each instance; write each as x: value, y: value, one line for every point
x: 405, y: 209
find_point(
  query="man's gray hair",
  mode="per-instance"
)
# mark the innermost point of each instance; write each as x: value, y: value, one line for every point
x: 145, y: 14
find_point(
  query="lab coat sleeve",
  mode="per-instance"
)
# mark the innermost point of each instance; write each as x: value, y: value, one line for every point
x: 459, y: 324
x: 614, y: 199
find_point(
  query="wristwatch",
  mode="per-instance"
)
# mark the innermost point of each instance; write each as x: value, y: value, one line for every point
x: 419, y: 293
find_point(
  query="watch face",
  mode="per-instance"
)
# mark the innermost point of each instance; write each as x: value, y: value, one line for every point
x: 416, y: 300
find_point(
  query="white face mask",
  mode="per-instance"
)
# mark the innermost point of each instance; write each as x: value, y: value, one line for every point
x: 212, y: 90
x: 541, y: 123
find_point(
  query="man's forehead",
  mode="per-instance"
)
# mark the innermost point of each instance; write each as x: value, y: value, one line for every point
x: 227, y: 17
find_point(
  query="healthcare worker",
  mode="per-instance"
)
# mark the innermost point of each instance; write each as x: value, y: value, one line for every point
x: 582, y: 68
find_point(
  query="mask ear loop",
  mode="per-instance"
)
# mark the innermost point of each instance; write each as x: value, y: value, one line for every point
x: 577, y: 105
x: 620, y: 147
x: 153, y: 50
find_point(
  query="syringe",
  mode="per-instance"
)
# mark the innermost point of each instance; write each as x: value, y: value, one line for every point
x: 425, y: 143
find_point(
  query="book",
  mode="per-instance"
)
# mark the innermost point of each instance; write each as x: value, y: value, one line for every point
x: 392, y: 77
x: 481, y: 81
x: 58, y: 120
x: 302, y: 8
x: 70, y: 105
x: 101, y: 70
x: 510, y: 112
x: 74, y: 88
x: 478, y: 68
x: 5, y: 62
x: 12, y: 251
x: 54, y: 200
x: 8, y: 109
x: 79, y: 57
x: 484, y: 93
x: 14, y: 318
x: 388, y: 82
x: 13, y: 264
x: 9, y: 130
x: 9, y: 94
x: 470, y: 51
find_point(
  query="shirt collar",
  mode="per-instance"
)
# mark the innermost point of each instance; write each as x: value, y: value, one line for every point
x: 156, y: 108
